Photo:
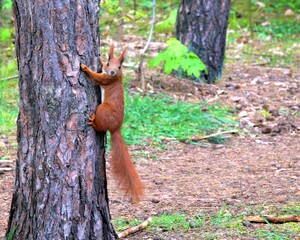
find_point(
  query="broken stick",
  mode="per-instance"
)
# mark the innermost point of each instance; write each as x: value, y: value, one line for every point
x: 199, y: 138
x: 135, y: 228
x: 5, y: 169
x: 272, y: 219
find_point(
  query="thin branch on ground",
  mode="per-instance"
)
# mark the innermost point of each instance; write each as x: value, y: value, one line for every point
x: 135, y: 228
x: 9, y: 78
x: 199, y: 138
x: 5, y: 169
x: 272, y: 219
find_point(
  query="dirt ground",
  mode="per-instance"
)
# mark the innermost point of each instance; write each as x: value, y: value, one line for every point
x: 258, y: 166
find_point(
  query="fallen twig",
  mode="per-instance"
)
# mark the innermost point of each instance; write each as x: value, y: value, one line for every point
x: 5, y: 169
x: 199, y: 138
x: 135, y: 228
x: 9, y: 78
x: 6, y: 162
x: 272, y: 219
x: 260, y: 63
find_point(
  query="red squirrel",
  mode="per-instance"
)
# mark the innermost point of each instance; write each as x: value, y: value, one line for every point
x: 109, y: 116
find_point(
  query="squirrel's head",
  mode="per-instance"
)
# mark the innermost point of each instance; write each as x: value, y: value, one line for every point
x: 114, y: 64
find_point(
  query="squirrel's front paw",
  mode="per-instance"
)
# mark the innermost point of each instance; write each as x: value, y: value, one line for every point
x: 83, y: 67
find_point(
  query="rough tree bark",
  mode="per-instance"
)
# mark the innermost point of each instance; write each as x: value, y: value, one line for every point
x: 201, y: 25
x: 60, y: 188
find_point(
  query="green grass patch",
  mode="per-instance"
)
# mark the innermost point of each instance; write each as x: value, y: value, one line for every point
x: 9, y: 69
x: 269, y: 234
x: 292, y: 209
x: 161, y: 117
x: 287, y: 230
x: 175, y: 222
x: 164, y: 222
x: 9, y: 98
x: 120, y: 224
x: 223, y: 216
x: 223, y: 223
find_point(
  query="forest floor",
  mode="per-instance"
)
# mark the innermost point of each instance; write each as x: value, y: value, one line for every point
x: 257, y: 169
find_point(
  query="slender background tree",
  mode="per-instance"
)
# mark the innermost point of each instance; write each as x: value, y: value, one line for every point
x: 201, y: 25
x: 60, y: 187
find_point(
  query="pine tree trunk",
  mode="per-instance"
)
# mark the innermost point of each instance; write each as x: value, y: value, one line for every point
x: 60, y: 188
x: 201, y: 25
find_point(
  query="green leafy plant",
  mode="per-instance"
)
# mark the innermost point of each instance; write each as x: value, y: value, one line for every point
x: 176, y: 58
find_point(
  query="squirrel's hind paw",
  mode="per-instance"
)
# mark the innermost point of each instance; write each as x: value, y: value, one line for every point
x: 92, y: 119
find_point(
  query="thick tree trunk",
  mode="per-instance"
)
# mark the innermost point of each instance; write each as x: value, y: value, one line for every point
x: 60, y: 188
x: 201, y: 25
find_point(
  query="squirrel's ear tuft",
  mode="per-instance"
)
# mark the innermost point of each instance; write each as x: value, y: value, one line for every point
x: 123, y: 55
x: 111, y: 52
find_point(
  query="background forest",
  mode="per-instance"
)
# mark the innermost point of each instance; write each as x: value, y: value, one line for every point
x: 262, y: 46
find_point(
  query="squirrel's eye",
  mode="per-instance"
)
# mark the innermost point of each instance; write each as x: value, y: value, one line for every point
x: 120, y: 67
x: 107, y: 64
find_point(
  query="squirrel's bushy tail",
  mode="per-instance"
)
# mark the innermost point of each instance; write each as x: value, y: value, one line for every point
x: 123, y: 168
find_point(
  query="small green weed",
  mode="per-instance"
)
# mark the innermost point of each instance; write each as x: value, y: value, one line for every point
x: 121, y: 224
x: 11, y: 234
x: 265, y: 234
x: 178, y: 58
x: 161, y: 117
x: 175, y: 222
x: 222, y: 217
x: 291, y: 228
x: 291, y: 209
x: 264, y: 113
x: 211, y: 236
